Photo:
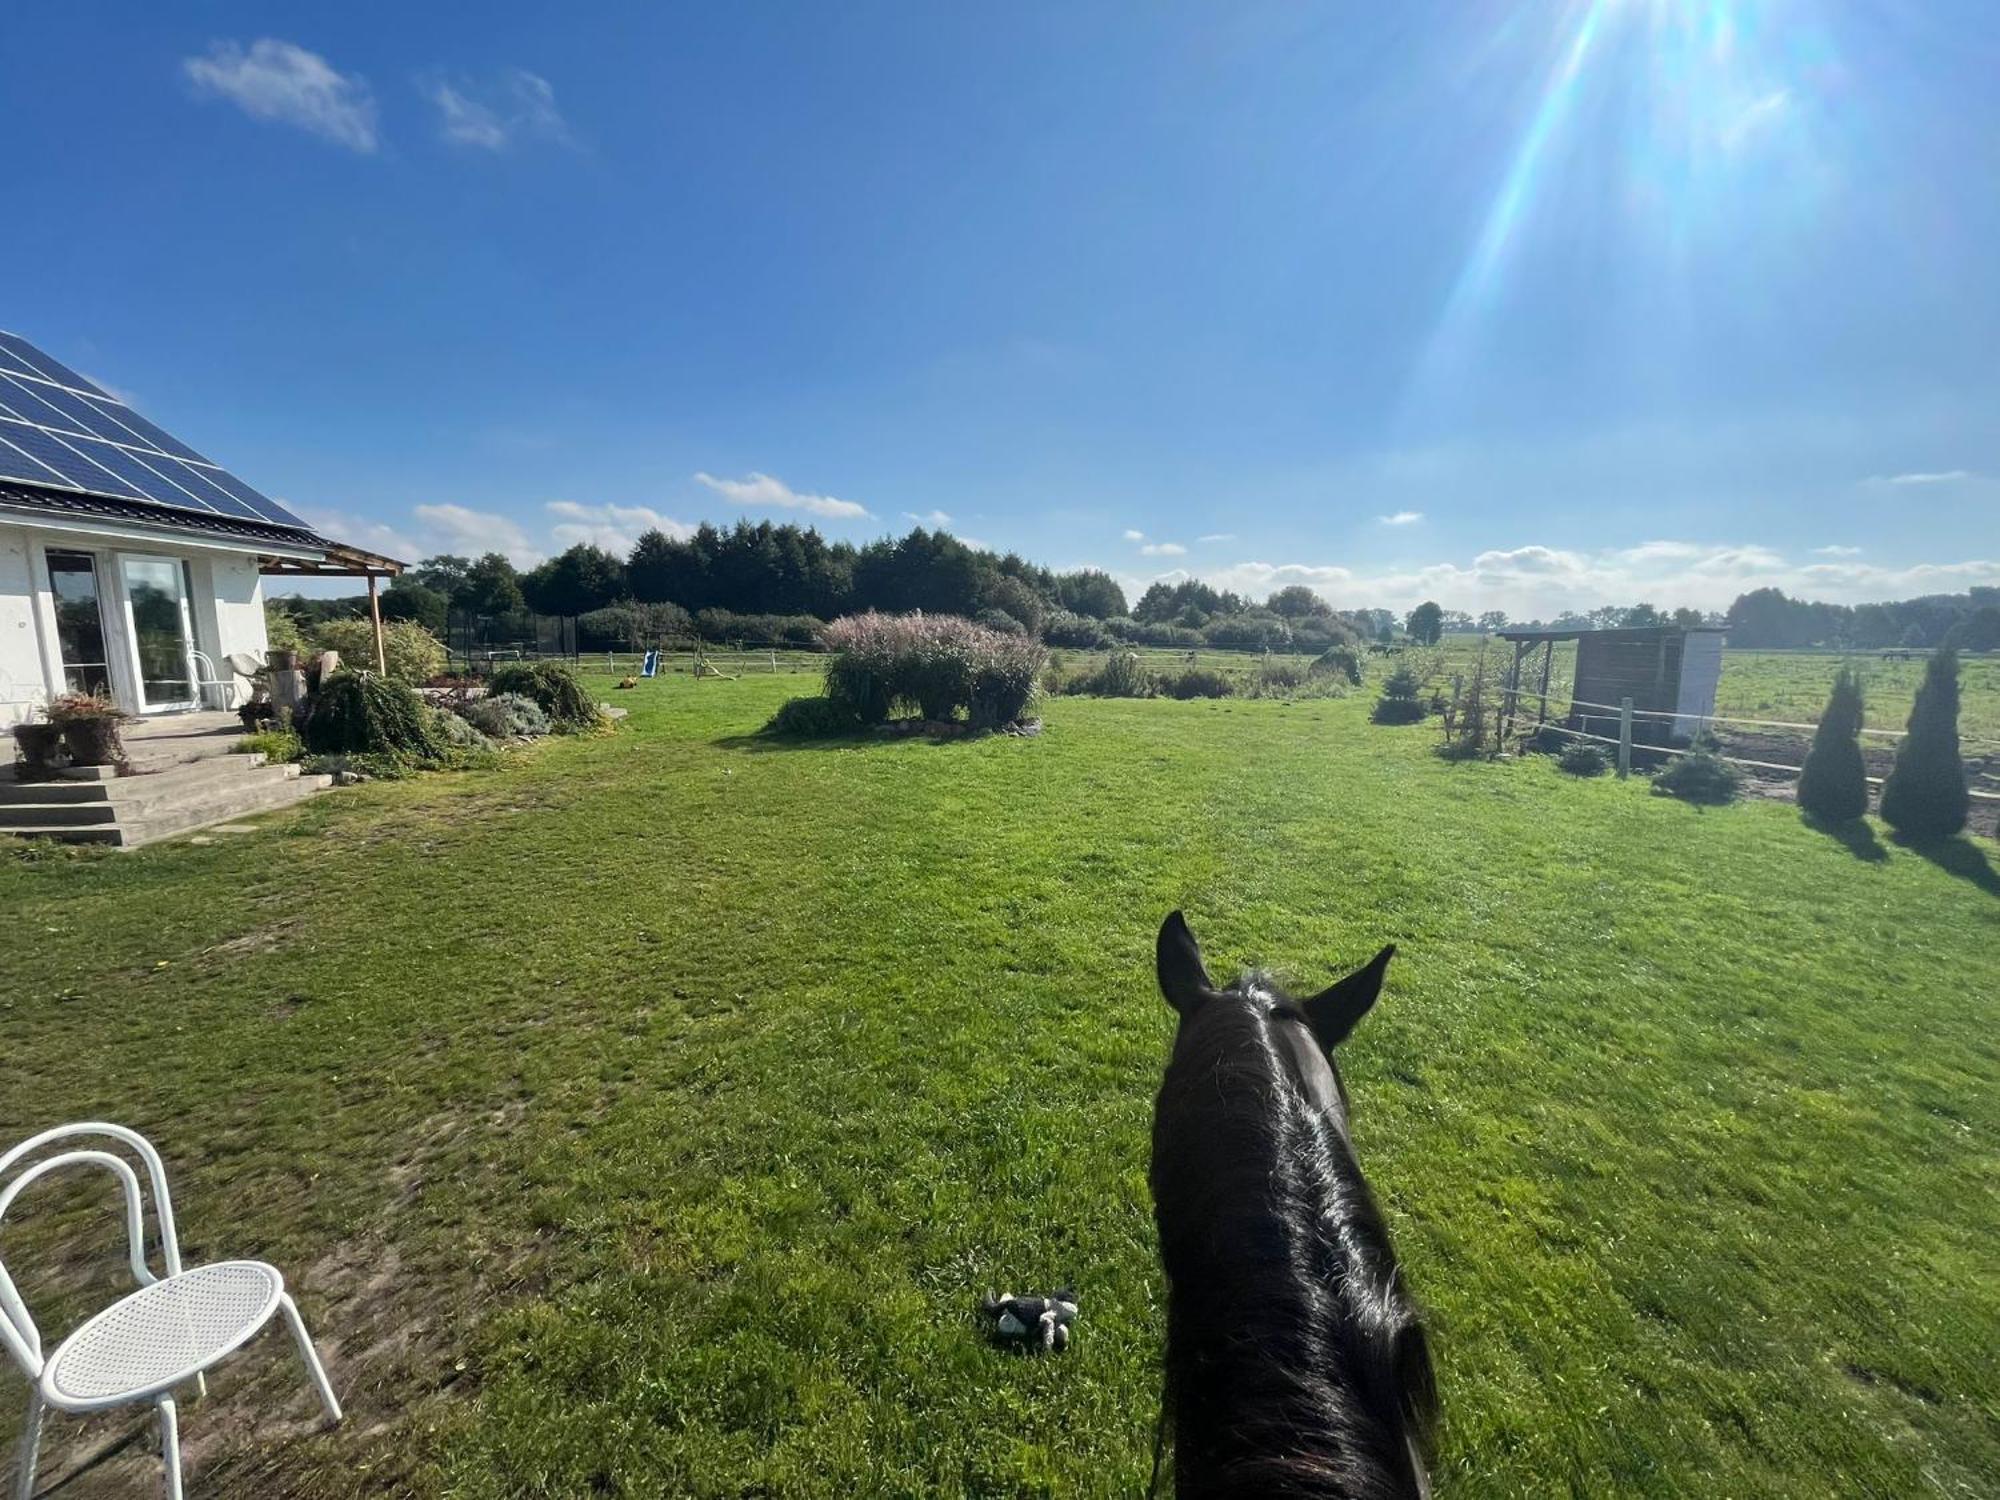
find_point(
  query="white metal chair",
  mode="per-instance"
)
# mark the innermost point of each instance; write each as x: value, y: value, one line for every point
x: 159, y: 1337
x: 240, y: 666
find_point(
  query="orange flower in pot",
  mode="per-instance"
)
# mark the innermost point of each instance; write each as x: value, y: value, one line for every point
x: 89, y: 724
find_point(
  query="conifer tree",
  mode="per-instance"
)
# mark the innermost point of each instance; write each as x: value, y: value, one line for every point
x: 1925, y: 795
x: 1833, y: 785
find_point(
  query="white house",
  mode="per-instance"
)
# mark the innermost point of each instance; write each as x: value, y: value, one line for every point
x: 129, y: 563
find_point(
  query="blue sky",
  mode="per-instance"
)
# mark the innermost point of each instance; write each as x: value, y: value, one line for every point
x: 1521, y: 306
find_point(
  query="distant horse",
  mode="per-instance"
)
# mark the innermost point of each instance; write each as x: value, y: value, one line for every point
x: 1296, y: 1362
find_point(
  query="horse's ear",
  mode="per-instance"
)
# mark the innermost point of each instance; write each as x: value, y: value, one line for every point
x: 1335, y: 1011
x: 1183, y: 979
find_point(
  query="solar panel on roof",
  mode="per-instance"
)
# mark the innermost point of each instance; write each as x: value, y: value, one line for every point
x: 59, y: 430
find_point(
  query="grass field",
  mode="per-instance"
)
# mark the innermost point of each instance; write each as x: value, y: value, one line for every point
x: 645, y: 1117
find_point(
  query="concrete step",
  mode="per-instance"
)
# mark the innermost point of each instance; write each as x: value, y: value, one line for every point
x: 143, y: 821
x: 166, y: 822
x: 118, y: 788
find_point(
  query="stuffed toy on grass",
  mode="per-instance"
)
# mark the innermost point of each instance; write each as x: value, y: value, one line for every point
x: 1042, y: 1322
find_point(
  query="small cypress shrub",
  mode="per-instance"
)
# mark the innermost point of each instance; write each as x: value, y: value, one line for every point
x: 1400, y: 702
x: 1580, y: 758
x: 1925, y: 796
x: 553, y: 686
x: 1833, y: 784
x: 1703, y: 777
x: 356, y: 713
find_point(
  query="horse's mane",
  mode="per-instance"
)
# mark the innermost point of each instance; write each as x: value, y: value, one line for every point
x: 1296, y: 1364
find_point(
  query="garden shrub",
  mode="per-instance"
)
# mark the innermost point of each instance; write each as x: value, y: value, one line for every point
x: 1256, y: 630
x: 455, y: 733
x: 1282, y: 675
x: 1341, y: 661
x: 281, y: 630
x: 411, y: 653
x: 1077, y: 632
x: 1925, y: 796
x: 815, y: 718
x: 1121, y: 676
x: 552, y: 685
x: 275, y: 745
x: 362, y: 713
x: 1702, y: 776
x: 935, y: 664
x: 506, y: 716
x: 999, y: 621
x: 1581, y: 758
x: 1833, y: 783
x: 1135, y: 633
x: 1197, y: 682
x: 1400, y: 702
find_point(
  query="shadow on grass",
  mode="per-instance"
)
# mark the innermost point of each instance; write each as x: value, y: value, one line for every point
x: 1857, y: 837
x: 762, y: 743
x: 1958, y: 856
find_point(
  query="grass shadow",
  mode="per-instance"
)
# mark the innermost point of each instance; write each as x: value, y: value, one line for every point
x: 1856, y: 837
x: 1958, y: 856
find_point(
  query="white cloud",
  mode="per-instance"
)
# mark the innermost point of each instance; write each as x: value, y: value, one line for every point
x: 764, y: 490
x: 281, y: 81
x: 1835, y: 551
x: 1540, y: 582
x: 1134, y: 536
x: 1754, y: 118
x: 459, y: 529
x: 613, y: 527
x: 1217, y: 536
x: 516, y: 106
x: 931, y: 518
x: 1163, y: 549
x: 1941, y: 476
x: 1402, y: 518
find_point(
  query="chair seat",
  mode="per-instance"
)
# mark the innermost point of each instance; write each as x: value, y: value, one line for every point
x: 161, y: 1334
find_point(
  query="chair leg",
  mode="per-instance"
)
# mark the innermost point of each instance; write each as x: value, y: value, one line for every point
x: 31, y: 1443
x: 170, y: 1446
x: 311, y: 1356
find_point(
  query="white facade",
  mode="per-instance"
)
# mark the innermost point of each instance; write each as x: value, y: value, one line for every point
x: 170, y: 606
x: 1701, y: 674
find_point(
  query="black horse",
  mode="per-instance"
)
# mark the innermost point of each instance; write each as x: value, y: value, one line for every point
x: 1296, y: 1362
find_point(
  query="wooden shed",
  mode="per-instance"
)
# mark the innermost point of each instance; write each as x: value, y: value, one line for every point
x: 1663, y: 669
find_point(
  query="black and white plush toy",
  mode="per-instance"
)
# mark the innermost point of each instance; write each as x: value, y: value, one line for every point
x: 1043, y: 1321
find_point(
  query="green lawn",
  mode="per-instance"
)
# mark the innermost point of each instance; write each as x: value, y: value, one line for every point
x: 645, y: 1117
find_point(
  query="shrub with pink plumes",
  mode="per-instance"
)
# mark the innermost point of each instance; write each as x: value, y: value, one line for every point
x: 932, y: 665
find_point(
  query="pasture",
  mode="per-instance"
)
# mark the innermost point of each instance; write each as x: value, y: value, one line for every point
x: 646, y: 1117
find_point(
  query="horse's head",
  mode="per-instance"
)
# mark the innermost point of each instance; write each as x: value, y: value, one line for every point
x: 1310, y: 1028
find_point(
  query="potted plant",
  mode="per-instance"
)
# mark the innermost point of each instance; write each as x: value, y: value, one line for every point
x: 40, y: 746
x: 89, y: 724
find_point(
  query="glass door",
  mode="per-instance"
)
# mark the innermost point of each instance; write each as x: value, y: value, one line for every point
x: 156, y: 599
x: 79, y: 622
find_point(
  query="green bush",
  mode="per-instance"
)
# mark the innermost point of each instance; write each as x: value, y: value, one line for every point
x: 816, y: 718
x: 1581, y: 758
x: 412, y: 653
x: 1197, y: 682
x: 554, y: 687
x: 455, y: 733
x: 275, y: 745
x: 1121, y: 676
x: 506, y: 716
x: 1702, y: 776
x: 1400, y: 702
x: 1078, y: 632
x: 1000, y: 621
x: 1280, y: 676
x: 281, y: 629
x: 1833, y: 784
x: 1925, y: 796
x: 1343, y: 661
x: 356, y: 713
x: 935, y: 664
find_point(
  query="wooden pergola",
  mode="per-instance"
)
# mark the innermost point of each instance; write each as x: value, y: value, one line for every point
x: 342, y: 561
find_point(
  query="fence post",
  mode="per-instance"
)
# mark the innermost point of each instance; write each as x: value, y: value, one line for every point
x: 1624, y: 737
x: 774, y: 662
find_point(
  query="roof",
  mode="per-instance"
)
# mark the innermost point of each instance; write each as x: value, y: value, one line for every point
x: 1634, y: 633
x: 27, y: 501
x: 60, y: 431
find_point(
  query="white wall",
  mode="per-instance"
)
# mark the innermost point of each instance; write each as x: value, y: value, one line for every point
x: 228, y: 610
x: 1701, y: 674
x: 21, y: 678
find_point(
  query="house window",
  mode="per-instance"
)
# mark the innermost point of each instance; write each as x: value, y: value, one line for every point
x: 79, y: 622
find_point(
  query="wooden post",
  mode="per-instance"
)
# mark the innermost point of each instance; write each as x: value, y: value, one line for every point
x: 774, y: 662
x: 1548, y: 662
x: 375, y: 617
x: 1624, y: 738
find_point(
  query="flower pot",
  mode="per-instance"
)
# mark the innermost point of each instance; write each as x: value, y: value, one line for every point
x: 93, y: 742
x: 40, y: 746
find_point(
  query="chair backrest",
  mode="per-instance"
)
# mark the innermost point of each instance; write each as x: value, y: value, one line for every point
x: 18, y: 1334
